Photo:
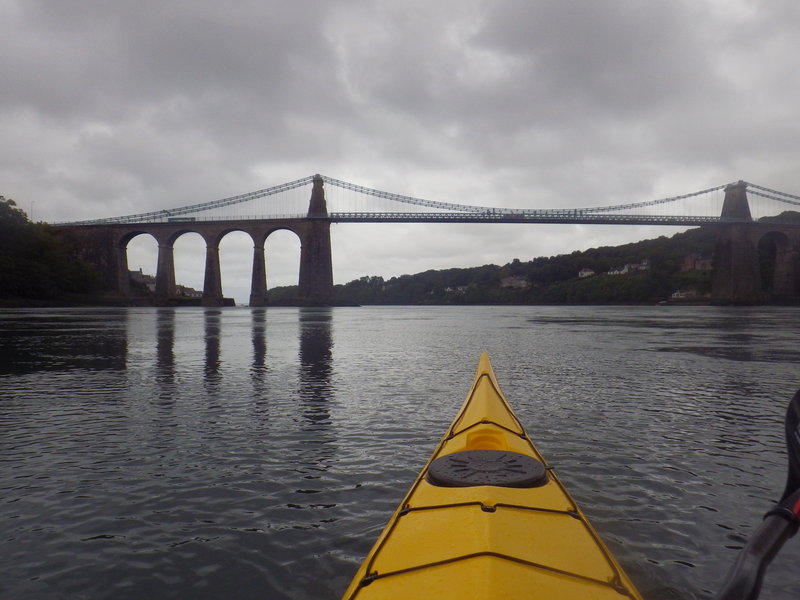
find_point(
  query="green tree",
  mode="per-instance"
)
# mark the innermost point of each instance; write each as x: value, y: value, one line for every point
x: 33, y: 263
x: 9, y: 213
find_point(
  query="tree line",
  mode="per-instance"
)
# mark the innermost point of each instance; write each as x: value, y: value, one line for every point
x: 546, y: 280
x: 35, y: 264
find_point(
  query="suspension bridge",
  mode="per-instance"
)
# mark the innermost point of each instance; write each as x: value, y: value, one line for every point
x: 359, y: 204
x: 742, y: 224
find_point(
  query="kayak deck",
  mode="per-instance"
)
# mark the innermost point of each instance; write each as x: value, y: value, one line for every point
x: 462, y: 532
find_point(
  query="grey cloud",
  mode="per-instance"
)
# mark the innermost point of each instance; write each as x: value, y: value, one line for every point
x: 122, y: 107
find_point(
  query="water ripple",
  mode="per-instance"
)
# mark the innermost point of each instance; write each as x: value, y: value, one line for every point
x: 174, y: 453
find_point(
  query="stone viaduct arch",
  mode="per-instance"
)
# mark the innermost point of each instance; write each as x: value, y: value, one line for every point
x: 106, y: 247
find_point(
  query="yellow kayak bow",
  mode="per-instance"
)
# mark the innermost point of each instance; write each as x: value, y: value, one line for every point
x: 486, y: 519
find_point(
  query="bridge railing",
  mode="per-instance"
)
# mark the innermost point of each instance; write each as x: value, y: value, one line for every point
x: 566, y: 217
x: 188, y: 220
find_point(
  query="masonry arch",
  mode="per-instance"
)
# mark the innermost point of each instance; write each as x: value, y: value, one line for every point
x: 195, y: 245
x: 188, y: 249
x: 236, y: 263
x: 283, y: 248
x: 139, y: 252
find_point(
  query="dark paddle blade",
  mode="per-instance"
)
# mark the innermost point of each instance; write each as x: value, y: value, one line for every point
x: 793, y: 447
x: 743, y: 582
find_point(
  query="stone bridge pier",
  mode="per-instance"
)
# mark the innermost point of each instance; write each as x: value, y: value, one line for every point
x: 754, y: 261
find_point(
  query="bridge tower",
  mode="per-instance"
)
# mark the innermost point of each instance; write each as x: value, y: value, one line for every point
x: 316, y: 263
x: 737, y: 275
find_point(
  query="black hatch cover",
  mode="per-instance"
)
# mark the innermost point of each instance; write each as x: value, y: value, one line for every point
x: 487, y: 467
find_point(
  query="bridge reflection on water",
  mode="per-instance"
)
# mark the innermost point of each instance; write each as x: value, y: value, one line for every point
x: 315, y: 354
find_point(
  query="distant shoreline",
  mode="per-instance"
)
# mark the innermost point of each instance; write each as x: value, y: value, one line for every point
x: 132, y: 302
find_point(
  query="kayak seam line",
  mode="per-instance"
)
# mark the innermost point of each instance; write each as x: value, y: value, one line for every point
x: 610, y: 560
x: 614, y: 584
x: 490, y: 375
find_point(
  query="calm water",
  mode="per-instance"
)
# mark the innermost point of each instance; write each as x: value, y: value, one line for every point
x: 238, y: 453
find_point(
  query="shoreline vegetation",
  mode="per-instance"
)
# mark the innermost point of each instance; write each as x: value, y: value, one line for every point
x: 38, y: 271
x: 36, y: 266
x: 668, y: 270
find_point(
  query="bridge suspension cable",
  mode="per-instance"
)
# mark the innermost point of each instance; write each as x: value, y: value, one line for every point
x: 404, y: 199
x: 618, y: 207
x: 773, y: 194
x: 515, y: 211
x: 469, y: 211
x: 185, y: 210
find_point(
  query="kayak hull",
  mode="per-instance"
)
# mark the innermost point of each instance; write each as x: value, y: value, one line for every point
x: 453, y: 538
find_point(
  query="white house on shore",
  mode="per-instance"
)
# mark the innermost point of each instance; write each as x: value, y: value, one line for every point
x: 644, y: 265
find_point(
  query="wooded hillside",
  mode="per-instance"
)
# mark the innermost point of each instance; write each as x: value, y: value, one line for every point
x: 546, y: 280
x: 34, y: 264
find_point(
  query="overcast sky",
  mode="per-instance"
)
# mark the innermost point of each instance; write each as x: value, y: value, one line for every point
x: 112, y: 108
